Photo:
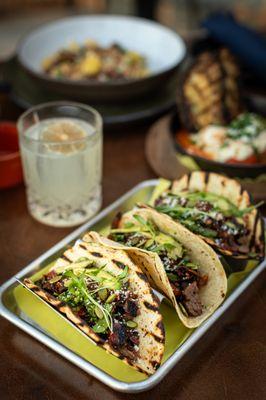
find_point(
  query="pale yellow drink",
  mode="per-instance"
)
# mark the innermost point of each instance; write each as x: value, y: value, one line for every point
x: 62, y: 162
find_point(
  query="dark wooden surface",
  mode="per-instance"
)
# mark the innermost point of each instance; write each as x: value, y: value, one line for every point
x: 228, y: 363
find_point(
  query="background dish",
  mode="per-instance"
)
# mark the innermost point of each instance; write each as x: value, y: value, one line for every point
x: 163, y: 158
x: 25, y: 93
x: 163, y: 49
x: 231, y: 170
x: 93, y: 62
x: 246, y: 102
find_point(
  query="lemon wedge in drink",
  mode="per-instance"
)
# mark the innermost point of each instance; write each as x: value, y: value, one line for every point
x: 63, y: 137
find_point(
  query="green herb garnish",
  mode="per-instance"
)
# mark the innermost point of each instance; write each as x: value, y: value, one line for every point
x: 132, y: 324
x: 220, y: 204
x: 246, y: 125
x: 147, y: 225
x: 172, y: 277
x: 83, y: 295
x: 98, y: 300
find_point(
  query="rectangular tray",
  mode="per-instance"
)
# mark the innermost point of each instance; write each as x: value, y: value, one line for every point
x: 11, y: 311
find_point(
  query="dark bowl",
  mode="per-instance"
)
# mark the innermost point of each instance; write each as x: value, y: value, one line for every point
x: 163, y: 49
x: 231, y: 170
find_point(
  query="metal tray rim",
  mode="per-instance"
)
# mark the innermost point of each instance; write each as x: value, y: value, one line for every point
x: 116, y: 384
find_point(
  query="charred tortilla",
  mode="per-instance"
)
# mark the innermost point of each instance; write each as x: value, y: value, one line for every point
x: 218, y: 210
x: 209, y: 91
x: 107, y: 296
x: 177, y: 263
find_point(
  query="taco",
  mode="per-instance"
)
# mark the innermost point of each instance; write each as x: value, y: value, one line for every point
x: 177, y: 263
x: 106, y: 295
x: 217, y: 209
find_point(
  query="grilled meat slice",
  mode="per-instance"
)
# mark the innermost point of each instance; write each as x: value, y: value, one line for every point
x: 192, y: 301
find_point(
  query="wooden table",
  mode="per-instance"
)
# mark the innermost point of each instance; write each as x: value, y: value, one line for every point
x: 228, y: 363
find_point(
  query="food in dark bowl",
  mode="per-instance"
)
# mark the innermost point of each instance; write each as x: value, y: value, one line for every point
x: 90, y: 61
x: 249, y: 164
x: 243, y: 141
x: 217, y: 130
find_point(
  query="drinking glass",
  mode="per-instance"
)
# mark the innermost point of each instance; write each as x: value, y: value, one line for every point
x: 61, y: 149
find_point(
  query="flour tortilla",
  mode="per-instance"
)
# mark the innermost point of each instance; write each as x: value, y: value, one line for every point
x: 211, y: 295
x: 150, y: 326
x: 232, y: 190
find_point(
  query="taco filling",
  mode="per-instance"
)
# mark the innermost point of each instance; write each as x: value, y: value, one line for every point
x: 104, y: 301
x: 183, y: 274
x: 209, y: 215
x: 100, y: 290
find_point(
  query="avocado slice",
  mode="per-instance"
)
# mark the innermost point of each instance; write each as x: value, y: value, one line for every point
x: 109, y: 281
x: 75, y: 265
x: 174, y: 250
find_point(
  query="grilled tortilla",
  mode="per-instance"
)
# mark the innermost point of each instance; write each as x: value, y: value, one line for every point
x: 209, y: 90
x: 176, y: 262
x: 107, y: 296
x: 217, y: 209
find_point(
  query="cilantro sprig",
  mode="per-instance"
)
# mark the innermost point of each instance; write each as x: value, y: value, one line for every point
x: 146, y: 224
x: 228, y: 209
x: 98, y: 307
x: 79, y: 283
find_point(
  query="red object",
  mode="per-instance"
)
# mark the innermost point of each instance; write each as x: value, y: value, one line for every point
x: 253, y: 159
x: 10, y: 162
x: 183, y: 138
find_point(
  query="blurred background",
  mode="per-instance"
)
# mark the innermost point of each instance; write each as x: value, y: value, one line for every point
x: 184, y: 16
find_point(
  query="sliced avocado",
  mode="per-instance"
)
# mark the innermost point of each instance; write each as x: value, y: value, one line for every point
x: 175, y: 249
x: 162, y: 186
x: 91, y: 271
x: 109, y: 281
x: 222, y: 204
x: 105, y: 275
x: 134, y: 228
x: 112, y: 285
x: 74, y: 265
x: 217, y: 201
